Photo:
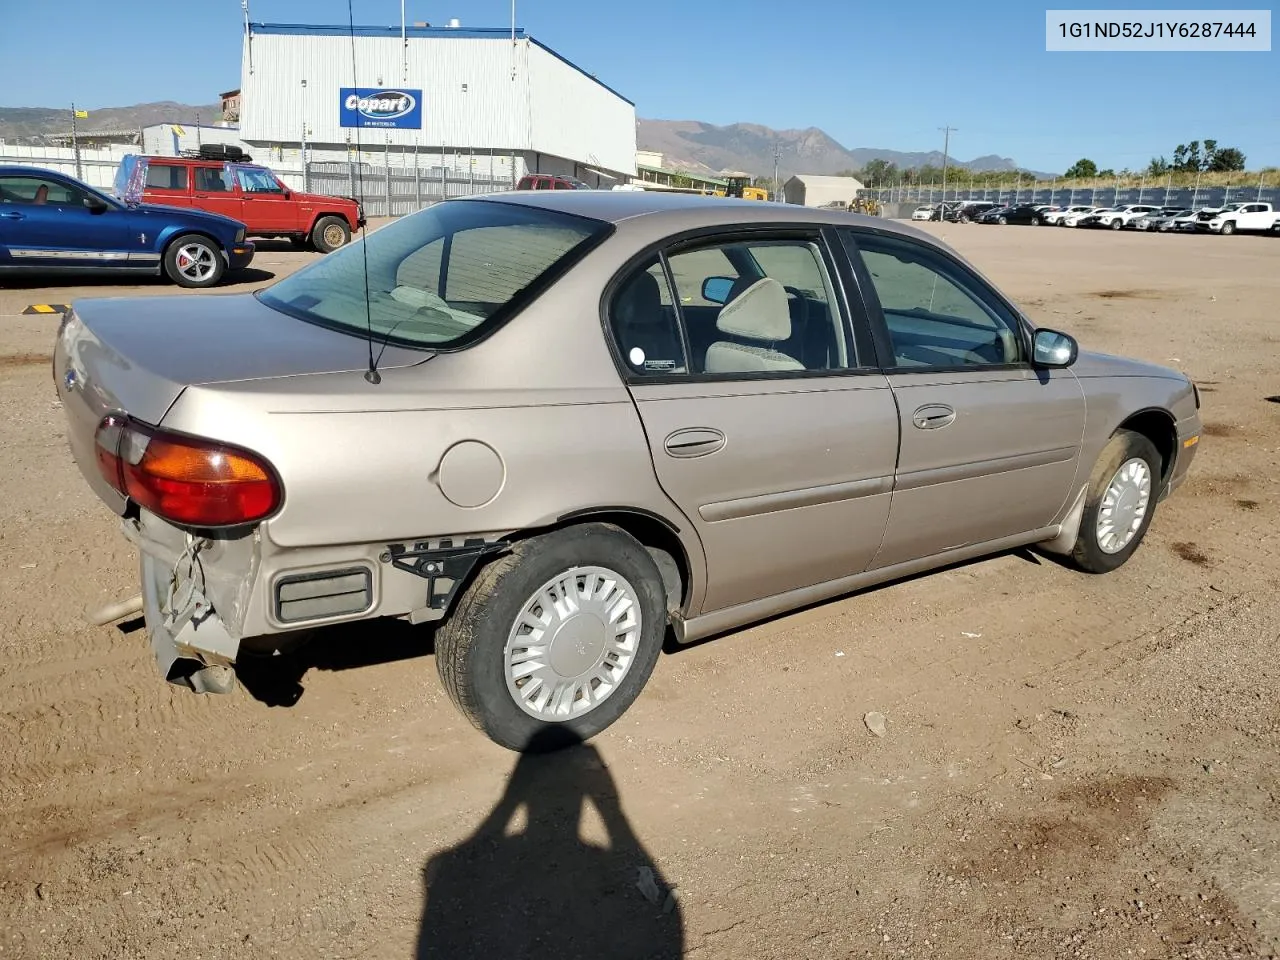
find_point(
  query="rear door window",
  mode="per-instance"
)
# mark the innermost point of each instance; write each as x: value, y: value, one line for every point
x: 213, y: 180
x: 166, y: 176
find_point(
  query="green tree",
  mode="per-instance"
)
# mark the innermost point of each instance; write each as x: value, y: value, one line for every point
x: 1158, y: 167
x: 1226, y: 159
x: 1082, y: 169
x: 881, y: 171
x: 1186, y: 157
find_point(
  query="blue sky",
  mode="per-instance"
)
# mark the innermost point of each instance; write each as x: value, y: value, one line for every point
x: 871, y: 75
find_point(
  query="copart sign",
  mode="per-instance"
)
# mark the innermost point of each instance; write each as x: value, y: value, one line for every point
x: 383, y: 107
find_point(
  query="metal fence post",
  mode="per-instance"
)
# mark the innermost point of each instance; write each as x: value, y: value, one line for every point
x: 417, y: 177
x: 444, y: 187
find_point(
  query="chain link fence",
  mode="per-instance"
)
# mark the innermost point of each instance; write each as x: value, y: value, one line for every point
x: 394, y: 191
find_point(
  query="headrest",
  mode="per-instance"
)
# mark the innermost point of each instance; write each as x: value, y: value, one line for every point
x: 760, y: 313
x: 640, y: 300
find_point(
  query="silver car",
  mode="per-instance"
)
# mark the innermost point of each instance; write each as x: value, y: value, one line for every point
x: 560, y: 426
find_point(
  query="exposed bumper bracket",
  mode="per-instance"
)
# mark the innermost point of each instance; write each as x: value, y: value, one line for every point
x: 445, y: 567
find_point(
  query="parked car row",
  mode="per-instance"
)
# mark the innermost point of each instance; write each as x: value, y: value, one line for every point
x: 1245, y: 216
x: 186, y: 218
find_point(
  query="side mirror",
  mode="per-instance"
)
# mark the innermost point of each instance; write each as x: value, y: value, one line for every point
x: 1051, y: 348
x: 94, y: 205
x: 717, y: 289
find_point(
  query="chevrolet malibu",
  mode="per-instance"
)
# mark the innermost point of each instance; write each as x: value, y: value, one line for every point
x: 560, y: 425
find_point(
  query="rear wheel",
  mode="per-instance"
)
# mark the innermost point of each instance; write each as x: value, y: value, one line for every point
x: 1119, y: 503
x: 194, y: 261
x: 330, y: 233
x: 552, y: 642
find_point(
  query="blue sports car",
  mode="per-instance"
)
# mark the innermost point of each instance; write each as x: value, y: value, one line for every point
x: 53, y: 223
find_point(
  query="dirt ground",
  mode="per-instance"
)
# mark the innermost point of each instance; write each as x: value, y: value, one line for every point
x: 1073, y: 766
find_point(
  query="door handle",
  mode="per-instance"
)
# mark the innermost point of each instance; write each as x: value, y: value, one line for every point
x: 693, y: 442
x: 933, y: 416
x: 13, y: 215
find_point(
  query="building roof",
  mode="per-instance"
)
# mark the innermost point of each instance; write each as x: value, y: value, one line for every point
x: 668, y: 171
x: 817, y: 180
x: 447, y: 33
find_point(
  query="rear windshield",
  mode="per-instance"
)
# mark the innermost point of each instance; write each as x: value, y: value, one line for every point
x: 439, y: 278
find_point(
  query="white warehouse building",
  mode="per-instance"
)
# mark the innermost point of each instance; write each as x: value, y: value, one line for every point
x: 495, y: 103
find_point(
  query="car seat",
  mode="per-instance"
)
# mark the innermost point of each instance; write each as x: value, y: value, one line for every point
x: 760, y: 314
x: 645, y: 334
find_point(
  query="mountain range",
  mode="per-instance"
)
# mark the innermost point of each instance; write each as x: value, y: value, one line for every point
x: 29, y: 124
x: 685, y: 144
x: 705, y: 148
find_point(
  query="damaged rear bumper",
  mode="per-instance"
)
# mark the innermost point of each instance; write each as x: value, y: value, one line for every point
x: 192, y: 646
x: 208, y: 599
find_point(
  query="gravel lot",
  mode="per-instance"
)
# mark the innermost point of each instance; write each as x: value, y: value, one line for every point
x: 1073, y: 766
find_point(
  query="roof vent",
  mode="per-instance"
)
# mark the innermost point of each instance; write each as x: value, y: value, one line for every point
x: 455, y: 23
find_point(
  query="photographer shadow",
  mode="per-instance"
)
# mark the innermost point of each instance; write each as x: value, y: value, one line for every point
x: 545, y: 891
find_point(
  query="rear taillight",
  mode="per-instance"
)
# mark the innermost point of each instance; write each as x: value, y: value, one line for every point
x: 186, y: 480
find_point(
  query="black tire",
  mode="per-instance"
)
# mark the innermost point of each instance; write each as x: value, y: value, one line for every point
x: 1117, y: 223
x: 1004, y: 221
x: 471, y: 643
x: 1125, y: 445
x: 1228, y: 228
x: 300, y: 241
x: 964, y: 218
x: 1035, y: 221
x: 194, y: 261
x: 330, y: 233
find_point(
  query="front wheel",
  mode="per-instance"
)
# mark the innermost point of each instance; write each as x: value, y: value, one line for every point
x: 552, y: 642
x: 1035, y: 221
x: 330, y: 233
x: 1004, y: 221
x: 1228, y: 228
x: 194, y: 261
x: 1119, y: 503
x: 1117, y: 223
x: 964, y: 218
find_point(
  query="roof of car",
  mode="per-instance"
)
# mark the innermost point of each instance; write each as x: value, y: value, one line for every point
x: 616, y: 206
x: 18, y: 171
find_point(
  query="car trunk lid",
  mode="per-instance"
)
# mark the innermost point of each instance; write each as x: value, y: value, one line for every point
x: 136, y: 356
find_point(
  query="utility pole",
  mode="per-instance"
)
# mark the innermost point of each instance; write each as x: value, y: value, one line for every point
x: 777, y: 156
x: 75, y: 140
x: 946, y: 152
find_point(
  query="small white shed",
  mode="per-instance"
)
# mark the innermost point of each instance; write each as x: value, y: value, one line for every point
x: 811, y: 190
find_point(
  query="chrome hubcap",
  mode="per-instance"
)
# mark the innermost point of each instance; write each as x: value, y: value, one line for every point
x: 196, y: 261
x: 573, y: 643
x: 1124, y: 505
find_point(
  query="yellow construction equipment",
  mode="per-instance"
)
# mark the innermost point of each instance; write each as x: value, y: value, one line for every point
x: 743, y: 185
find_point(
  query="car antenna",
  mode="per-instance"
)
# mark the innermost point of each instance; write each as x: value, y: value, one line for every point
x: 371, y: 374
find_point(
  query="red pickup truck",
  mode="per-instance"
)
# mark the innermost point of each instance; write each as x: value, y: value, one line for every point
x: 246, y: 192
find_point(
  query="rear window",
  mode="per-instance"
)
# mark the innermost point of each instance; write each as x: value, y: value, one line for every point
x: 166, y: 177
x: 439, y: 278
